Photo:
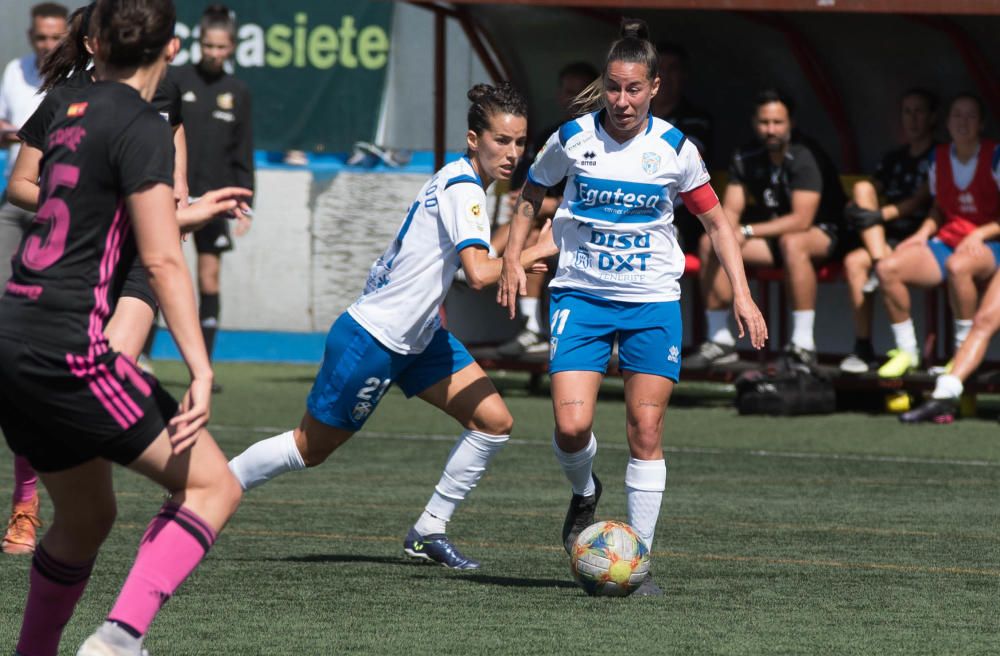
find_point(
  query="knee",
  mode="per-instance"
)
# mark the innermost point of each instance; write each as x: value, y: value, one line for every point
x: 857, y: 262
x: 791, y: 246
x: 317, y: 453
x: 957, y: 267
x: 862, y: 191
x: 986, y: 320
x: 497, y: 422
x: 645, y: 440
x: 229, y: 493
x: 888, y: 269
x: 573, y: 431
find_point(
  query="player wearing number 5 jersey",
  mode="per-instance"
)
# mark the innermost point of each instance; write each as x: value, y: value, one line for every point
x: 393, y: 333
x: 618, y: 276
x: 69, y: 402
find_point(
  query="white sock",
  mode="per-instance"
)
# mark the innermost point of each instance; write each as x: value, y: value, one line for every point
x: 718, y: 327
x: 529, y: 310
x: 802, y: 329
x: 645, y: 481
x: 906, y: 337
x: 962, y: 328
x: 947, y: 387
x: 267, y: 459
x: 465, y: 466
x: 579, y: 466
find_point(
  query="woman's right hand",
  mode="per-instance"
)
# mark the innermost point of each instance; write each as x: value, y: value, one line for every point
x: 512, y: 282
x: 186, y: 425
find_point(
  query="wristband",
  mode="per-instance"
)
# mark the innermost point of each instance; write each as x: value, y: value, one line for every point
x: 746, y: 230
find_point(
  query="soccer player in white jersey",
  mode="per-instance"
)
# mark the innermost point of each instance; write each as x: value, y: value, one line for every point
x: 619, y: 267
x: 393, y: 333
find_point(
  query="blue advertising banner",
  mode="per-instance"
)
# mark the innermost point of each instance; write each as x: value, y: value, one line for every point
x: 316, y: 68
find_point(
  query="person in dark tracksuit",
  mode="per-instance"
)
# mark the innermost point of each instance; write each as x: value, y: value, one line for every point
x: 216, y: 112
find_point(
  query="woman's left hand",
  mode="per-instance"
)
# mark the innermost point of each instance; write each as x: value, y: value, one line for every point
x: 750, y: 321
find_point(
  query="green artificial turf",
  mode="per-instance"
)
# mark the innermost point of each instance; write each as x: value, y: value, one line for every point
x: 846, y: 534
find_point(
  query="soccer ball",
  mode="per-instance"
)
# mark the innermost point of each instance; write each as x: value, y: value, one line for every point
x: 609, y: 559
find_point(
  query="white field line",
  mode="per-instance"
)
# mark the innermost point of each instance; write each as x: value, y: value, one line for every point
x: 755, y: 453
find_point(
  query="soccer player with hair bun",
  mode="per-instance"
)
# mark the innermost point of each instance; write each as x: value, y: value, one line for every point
x: 392, y: 333
x: 69, y: 402
x: 619, y: 271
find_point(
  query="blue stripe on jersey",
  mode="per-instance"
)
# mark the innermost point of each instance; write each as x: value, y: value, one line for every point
x: 996, y: 158
x: 618, y: 201
x: 598, y: 117
x: 649, y: 123
x: 462, y: 245
x: 402, y: 233
x: 462, y: 178
x: 675, y: 138
x: 534, y: 181
x: 567, y: 131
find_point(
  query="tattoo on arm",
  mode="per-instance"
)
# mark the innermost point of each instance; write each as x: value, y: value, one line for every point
x: 527, y: 208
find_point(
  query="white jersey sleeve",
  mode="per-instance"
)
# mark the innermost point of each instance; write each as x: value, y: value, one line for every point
x: 463, y: 214
x: 552, y: 164
x: 694, y: 172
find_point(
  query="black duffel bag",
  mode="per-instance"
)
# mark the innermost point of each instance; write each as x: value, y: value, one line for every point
x: 791, y: 391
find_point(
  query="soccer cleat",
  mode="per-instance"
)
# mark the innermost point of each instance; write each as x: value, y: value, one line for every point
x: 936, y: 411
x: 796, y: 356
x: 709, y: 355
x: 648, y: 588
x: 899, y: 363
x: 939, y: 370
x: 580, y: 515
x: 98, y: 644
x: 436, y: 548
x: 527, y: 342
x: 854, y: 364
x: 22, y: 528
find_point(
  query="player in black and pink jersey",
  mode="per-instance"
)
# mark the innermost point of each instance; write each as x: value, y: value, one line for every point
x: 68, y: 401
x: 66, y: 71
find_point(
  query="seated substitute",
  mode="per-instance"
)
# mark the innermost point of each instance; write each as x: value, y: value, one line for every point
x: 786, y: 194
x: 884, y: 211
x: 957, y: 242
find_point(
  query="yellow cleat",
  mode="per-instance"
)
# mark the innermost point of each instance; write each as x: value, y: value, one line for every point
x: 899, y: 363
x: 22, y: 527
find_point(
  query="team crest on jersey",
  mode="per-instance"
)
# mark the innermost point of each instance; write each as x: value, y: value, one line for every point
x: 650, y: 163
x: 361, y: 410
x: 189, y: 96
x: 76, y: 109
x: 225, y: 101
x: 476, y: 215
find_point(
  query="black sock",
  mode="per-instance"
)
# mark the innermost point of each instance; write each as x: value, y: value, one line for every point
x: 863, y: 349
x: 208, y: 313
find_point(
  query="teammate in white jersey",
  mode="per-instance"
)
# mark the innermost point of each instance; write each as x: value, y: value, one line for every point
x: 618, y: 274
x: 393, y: 334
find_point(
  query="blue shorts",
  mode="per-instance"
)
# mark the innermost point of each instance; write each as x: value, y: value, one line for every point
x: 357, y: 370
x: 943, y: 251
x: 584, y: 328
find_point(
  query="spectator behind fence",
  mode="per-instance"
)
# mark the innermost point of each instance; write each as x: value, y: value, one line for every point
x: 786, y: 193
x: 672, y: 106
x: 532, y: 339
x: 900, y: 182
x: 956, y: 242
x: 217, y: 119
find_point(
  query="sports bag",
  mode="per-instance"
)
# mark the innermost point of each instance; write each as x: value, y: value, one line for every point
x: 792, y: 391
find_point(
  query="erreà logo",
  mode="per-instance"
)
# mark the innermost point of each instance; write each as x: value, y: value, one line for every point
x: 589, y: 159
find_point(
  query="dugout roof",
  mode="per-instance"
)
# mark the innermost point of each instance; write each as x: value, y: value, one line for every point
x: 845, y: 61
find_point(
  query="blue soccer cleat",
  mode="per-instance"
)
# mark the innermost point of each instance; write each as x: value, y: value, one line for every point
x: 436, y: 548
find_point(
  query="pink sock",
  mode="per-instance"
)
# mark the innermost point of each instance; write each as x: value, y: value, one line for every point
x: 174, y: 544
x: 25, y: 480
x: 55, y: 589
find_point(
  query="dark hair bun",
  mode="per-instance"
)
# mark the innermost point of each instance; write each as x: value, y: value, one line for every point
x: 217, y: 11
x: 480, y: 92
x: 634, y: 28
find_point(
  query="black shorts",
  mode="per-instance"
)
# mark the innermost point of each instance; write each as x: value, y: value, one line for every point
x: 137, y: 286
x: 61, y: 410
x: 214, y: 238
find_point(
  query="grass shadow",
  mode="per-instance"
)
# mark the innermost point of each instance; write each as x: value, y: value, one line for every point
x: 515, y: 582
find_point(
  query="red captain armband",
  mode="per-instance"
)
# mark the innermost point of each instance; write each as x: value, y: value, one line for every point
x: 701, y: 199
